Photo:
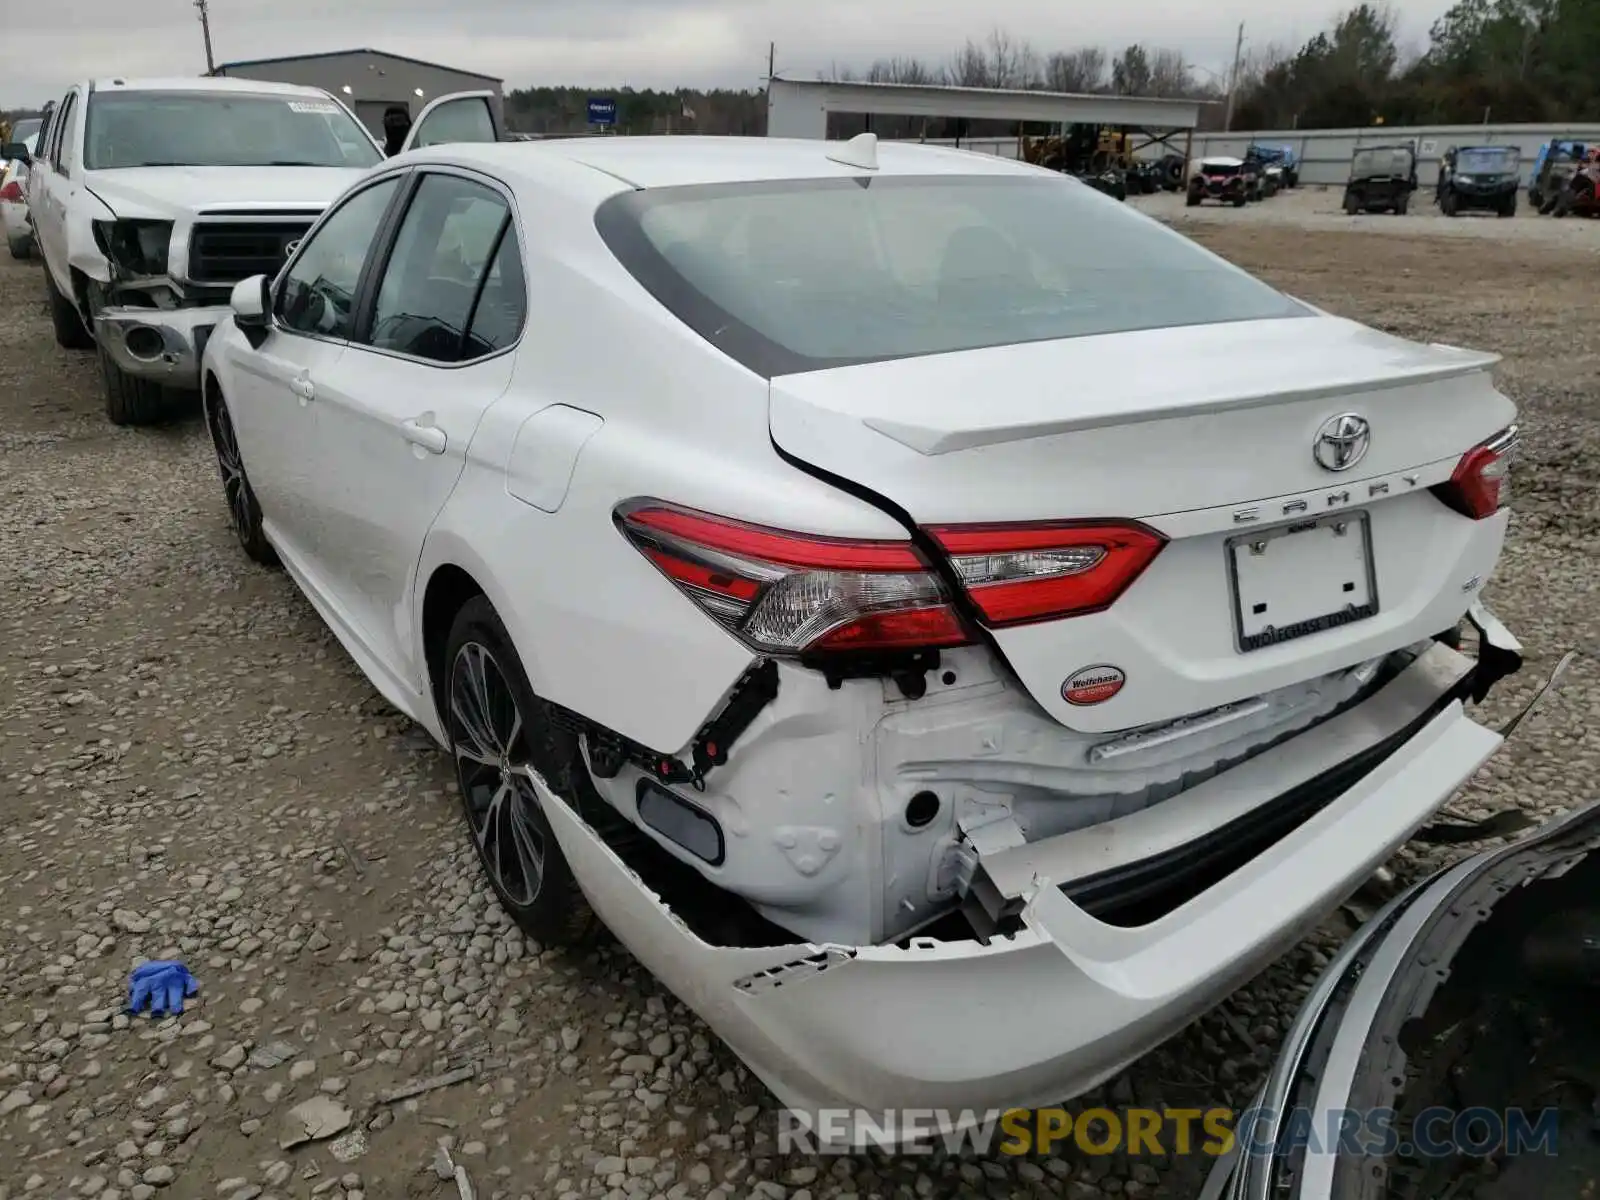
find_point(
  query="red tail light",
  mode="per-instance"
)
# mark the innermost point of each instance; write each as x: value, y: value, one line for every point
x: 792, y: 593
x: 12, y: 192
x: 1480, y: 485
x: 1018, y: 574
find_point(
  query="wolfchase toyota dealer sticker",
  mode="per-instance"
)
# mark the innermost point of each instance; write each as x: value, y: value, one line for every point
x: 1093, y: 685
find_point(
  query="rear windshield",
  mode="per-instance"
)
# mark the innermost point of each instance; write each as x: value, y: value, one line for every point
x: 801, y: 275
x: 221, y: 129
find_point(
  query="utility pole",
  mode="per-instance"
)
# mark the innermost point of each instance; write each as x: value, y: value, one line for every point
x: 1233, y: 79
x: 205, y: 29
x: 772, y: 60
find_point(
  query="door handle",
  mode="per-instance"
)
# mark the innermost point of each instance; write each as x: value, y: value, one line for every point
x: 303, y: 387
x: 430, y: 437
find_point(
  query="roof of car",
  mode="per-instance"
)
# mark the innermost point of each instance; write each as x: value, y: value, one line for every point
x: 648, y: 162
x: 203, y: 83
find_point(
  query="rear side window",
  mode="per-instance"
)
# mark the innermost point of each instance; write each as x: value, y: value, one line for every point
x: 801, y: 275
x: 455, y: 268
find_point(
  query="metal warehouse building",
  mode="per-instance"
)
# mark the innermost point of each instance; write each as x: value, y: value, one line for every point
x: 370, y: 80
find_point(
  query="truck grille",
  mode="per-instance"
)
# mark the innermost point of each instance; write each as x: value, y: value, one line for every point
x: 228, y: 251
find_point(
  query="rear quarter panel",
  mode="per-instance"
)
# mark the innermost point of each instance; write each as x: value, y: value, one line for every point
x: 598, y: 628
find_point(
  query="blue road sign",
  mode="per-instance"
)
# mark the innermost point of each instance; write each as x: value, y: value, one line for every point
x: 602, y: 110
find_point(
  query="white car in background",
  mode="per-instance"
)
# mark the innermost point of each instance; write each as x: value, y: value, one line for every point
x: 152, y: 197
x: 950, y: 627
x: 14, y: 219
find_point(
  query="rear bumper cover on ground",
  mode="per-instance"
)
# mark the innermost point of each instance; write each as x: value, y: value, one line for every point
x: 1047, y: 1012
x: 160, y: 344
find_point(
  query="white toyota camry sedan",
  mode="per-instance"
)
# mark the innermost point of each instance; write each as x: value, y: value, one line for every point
x: 951, y: 628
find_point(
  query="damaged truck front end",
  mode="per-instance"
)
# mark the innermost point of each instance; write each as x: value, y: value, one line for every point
x: 167, y: 282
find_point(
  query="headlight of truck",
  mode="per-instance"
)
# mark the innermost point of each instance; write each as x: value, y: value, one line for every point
x: 136, y: 247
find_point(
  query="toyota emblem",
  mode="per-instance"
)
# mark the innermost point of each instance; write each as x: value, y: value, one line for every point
x: 290, y: 246
x: 1342, y: 442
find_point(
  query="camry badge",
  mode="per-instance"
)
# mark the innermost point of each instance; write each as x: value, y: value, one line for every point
x: 1341, y: 442
x: 1093, y: 685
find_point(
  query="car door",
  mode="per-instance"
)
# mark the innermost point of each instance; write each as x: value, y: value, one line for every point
x: 274, y: 385
x: 397, y: 412
x: 458, y: 117
x: 55, y: 190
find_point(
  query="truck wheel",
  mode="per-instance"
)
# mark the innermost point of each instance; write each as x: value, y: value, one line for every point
x: 1239, y: 201
x: 1192, y: 200
x: 1448, y: 205
x: 1401, y: 205
x: 1509, y: 208
x: 1351, y: 205
x: 71, y: 334
x: 21, y: 248
x: 129, y: 399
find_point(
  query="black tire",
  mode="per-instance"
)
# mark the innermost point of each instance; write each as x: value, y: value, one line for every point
x: 1535, y: 199
x: 1192, y: 200
x: 71, y: 333
x: 129, y: 399
x: 21, y: 248
x: 1448, y: 205
x: 1401, y: 205
x: 1509, y: 208
x: 1291, y: 179
x: 244, y: 510
x: 486, y: 696
x: 1240, y: 201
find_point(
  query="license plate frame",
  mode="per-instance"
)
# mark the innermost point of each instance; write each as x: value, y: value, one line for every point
x: 1357, y: 521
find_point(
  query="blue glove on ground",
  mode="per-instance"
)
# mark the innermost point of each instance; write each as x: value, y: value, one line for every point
x: 162, y: 985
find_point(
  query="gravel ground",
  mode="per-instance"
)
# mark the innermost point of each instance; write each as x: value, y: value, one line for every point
x: 190, y: 766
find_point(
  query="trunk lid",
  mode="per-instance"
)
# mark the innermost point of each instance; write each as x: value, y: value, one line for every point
x: 1202, y: 433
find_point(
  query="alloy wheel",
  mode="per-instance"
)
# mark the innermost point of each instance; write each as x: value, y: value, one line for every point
x: 241, y: 503
x: 488, y: 737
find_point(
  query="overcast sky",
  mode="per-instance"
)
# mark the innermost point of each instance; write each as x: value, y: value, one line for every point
x: 45, y: 45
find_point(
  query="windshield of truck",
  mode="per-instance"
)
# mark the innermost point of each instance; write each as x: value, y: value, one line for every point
x: 1496, y: 160
x: 1386, y: 160
x: 801, y: 275
x: 1211, y: 168
x: 221, y: 129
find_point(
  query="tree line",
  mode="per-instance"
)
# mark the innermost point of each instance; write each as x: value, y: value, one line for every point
x: 1497, y: 60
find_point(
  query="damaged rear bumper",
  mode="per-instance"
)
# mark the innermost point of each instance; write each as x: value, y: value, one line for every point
x: 1043, y: 1013
x: 160, y: 344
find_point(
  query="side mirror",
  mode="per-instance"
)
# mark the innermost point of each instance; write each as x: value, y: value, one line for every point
x: 251, y: 302
x: 18, y: 151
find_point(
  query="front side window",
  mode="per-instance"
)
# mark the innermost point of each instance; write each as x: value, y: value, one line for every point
x: 802, y: 275
x: 318, y: 294
x: 449, y: 274
x: 61, y: 153
x: 466, y: 120
x: 221, y: 129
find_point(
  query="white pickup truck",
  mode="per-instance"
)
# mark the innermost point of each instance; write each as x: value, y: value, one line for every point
x: 151, y: 198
